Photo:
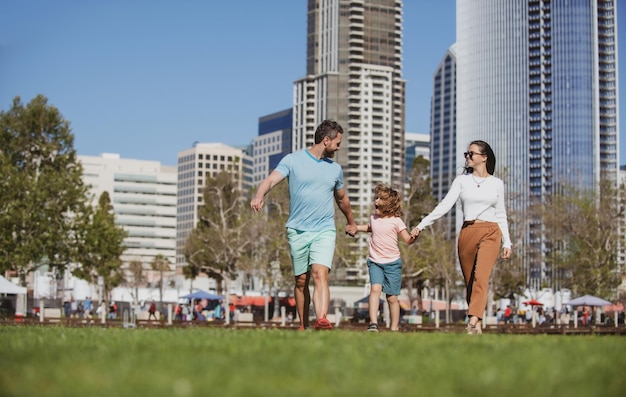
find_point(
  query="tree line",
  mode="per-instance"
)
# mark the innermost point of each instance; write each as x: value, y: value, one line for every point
x: 46, y: 218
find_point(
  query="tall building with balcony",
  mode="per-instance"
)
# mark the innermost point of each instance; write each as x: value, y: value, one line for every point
x: 195, y: 165
x: 143, y: 195
x: 272, y: 143
x: 354, y: 76
x: 443, y: 161
x: 537, y: 79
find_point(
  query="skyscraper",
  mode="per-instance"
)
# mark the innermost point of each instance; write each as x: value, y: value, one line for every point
x: 354, y: 76
x: 272, y: 144
x: 443, y: 166
x: 537, y: 79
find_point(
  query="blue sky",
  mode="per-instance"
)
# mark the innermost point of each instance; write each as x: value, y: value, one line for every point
x: 146, y: 79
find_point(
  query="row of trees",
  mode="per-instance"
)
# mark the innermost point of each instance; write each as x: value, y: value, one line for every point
x: 45, y: 213
x: 46, y: 218
x: 229, y: 239
x: 584, y: 230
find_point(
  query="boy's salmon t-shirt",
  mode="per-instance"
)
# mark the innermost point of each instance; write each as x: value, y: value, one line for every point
x: 384, y: 239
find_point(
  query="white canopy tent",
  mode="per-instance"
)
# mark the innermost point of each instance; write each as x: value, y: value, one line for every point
x: 8, y: 288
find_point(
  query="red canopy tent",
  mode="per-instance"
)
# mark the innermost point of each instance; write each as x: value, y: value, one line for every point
x: 259, y: 300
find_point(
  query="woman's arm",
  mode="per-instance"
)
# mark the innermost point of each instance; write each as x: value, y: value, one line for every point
x: 442, y: 208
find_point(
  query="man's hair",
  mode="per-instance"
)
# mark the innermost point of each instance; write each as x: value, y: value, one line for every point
x: 391, y: 204
x: 327, y: 128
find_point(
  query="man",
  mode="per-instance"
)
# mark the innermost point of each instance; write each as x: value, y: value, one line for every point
x: 314, y: 180
x: 87, y: 307
x: 152, y: 310
x: 507, y: 314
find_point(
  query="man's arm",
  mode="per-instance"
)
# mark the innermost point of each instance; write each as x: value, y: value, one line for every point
x: 268, y: 183
x: 343, y: 201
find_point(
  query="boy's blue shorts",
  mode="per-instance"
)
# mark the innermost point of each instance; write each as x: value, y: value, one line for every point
x: 389, y: 275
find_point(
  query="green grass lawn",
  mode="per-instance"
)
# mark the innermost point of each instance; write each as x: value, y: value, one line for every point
x: 39, y: 361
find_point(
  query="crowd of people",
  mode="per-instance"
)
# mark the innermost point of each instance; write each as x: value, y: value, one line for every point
x: 585, y: 315
x: 190, y: 310
x: 88, y: 308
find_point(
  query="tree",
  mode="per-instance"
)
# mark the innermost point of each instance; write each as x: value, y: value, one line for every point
x: 42, y: 196
x: 348, y: 250
x: 103, y: 246
x: 418, y: 201
x: 267, y: 255
x: 161, y: 264
x: 439, y: 254
x: 508, y: 278
x: 219, y: 240
x: 584, y: 230
x: 138, y: 277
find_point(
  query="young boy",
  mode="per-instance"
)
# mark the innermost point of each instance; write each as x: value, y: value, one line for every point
x: 384, y: 263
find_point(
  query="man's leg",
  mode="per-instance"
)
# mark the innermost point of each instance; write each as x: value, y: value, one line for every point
x: 303, y: 298
x: 321, y: 293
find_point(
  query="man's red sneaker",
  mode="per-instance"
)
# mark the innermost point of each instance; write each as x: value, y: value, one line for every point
x: 323, y: 323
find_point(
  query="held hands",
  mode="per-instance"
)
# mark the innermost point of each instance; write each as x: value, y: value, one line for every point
x: 415, y: 232
x: 351, y: 230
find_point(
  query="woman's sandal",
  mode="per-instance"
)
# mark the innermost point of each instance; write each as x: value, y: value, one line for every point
x: 473, y: 329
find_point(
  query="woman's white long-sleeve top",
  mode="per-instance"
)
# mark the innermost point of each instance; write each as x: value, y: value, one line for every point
x: 481, y: 199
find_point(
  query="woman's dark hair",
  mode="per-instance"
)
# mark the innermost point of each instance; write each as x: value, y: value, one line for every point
x: 487, y: 151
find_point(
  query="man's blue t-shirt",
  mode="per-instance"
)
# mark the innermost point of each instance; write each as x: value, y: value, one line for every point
x: 312, y: 184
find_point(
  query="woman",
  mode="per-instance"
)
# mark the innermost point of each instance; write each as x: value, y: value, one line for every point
x: 485, y: 227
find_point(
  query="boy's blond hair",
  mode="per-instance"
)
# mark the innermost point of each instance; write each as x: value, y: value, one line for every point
x: 391, y: 204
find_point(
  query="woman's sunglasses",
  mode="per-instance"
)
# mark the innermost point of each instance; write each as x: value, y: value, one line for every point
x: 471, y: 154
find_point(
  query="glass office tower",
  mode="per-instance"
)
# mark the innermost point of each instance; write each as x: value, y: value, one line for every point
x: 443, y: 168
x: 537, y: 79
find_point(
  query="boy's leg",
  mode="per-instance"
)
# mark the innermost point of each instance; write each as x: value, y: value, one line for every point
x: 376, y: 287
x: 374, y: 302
x: 394, y: 311
x: 392, y: 283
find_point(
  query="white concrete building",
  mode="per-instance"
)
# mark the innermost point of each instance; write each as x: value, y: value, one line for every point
x: 194, y: 166
x: 143, y: 195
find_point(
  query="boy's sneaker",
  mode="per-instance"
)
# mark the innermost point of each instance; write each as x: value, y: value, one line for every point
x: 323, y: 323
x: 372, y: 327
